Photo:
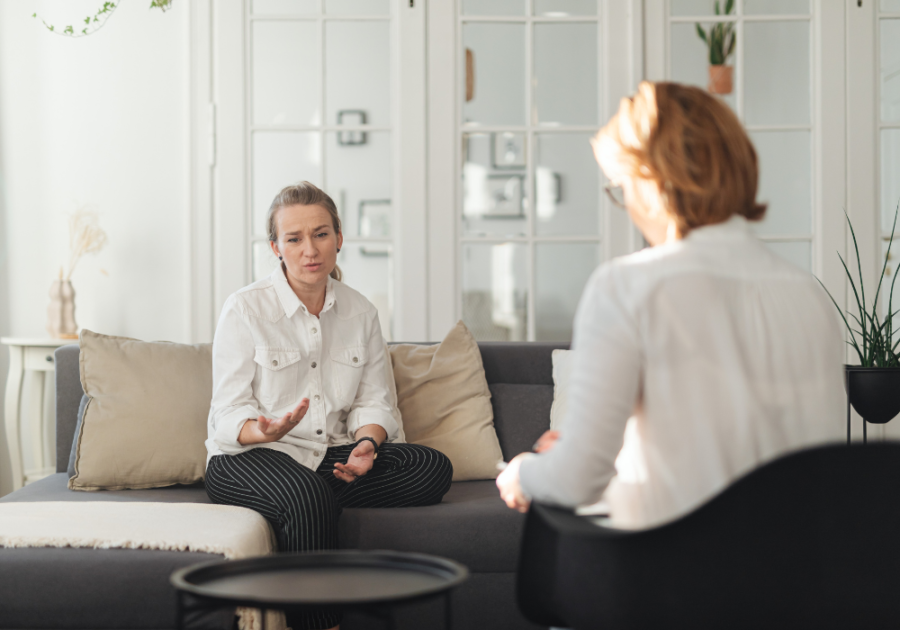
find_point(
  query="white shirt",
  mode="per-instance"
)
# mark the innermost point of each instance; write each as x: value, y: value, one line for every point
x: 269, y: 353
x: 734, y: 354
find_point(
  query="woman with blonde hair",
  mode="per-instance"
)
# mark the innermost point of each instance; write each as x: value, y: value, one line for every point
x: 724, y: 354
x: 301, y: 423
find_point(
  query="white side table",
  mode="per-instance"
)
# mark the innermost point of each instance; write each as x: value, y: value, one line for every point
x: 33, y: 357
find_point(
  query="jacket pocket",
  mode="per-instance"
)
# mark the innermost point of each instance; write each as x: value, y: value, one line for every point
x: 277, y: 376
x: 347, y: 364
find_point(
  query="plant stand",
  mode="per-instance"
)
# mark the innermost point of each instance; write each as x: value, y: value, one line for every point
x: 875, y: 394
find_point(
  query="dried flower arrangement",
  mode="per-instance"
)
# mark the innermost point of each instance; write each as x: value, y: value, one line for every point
x: 85, y: 237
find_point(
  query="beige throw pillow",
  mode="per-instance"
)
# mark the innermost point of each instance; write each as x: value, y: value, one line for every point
x: 145, y: 423
x: 562, y: 369
x: 445, y: 402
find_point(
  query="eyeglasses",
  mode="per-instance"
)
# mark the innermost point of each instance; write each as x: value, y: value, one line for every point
x: 616, y: 194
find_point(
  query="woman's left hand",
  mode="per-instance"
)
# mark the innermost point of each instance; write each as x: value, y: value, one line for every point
x: 510, y: 486
x: 358, y: 464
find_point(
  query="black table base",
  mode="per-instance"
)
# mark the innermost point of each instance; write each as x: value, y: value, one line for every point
x: 383, y: 613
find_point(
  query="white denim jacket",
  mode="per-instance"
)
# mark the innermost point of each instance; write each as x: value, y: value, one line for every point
x: 269, y: 353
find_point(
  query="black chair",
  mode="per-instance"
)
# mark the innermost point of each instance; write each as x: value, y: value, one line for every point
x: 811, y: 540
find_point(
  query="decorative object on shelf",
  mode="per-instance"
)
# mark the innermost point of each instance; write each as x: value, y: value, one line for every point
x: 374, y: 218
x: 873, y: 386
x: 548, y: 192
x: 508, y: 150
x: 720, y: 41
x: 61, y: 312
x: 93, y: 23
x: 351, y: 117
x: 85, y: 237
x: 505, y: 197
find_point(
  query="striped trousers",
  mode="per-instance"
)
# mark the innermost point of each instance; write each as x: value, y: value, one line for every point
x: 303, y: 505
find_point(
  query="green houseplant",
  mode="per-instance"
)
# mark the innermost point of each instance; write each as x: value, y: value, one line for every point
x: 720, y: 42
x: 873, y: 386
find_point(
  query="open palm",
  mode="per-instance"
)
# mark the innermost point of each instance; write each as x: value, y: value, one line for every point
x: 358, y: 464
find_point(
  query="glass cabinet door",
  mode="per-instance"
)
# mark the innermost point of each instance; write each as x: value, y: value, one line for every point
x: 770, y: 88
x: 530, y: 210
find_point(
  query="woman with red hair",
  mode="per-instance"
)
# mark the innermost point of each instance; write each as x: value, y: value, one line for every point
x: 723, y: 354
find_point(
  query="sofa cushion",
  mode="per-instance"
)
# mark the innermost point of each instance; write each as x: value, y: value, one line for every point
x: 472, y: 525
x: 73, y: 454
x: 68, y: 398
x: 521, y: 415
x: 53, y: 587
x: 145, y: 423
x: 445, y: 402
x: 562, y: 372
x: 53, y: 488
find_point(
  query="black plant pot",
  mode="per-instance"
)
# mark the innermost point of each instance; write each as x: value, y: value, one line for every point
x: 873, y: 392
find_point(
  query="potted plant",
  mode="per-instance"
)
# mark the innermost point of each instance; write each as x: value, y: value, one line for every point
x: 873, y: 386
x: 720, y: 42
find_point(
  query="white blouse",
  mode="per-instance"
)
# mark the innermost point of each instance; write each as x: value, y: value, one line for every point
x: 725, y: 355
x: 269, y: 353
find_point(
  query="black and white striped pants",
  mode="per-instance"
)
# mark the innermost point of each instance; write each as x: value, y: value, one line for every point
x: 303, y: 505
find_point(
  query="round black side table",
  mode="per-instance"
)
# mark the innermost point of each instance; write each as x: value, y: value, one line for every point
x: 369, y: 581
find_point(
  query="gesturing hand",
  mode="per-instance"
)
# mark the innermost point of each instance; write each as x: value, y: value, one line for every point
x: 277, y: 429
x: 264, y: 430
x: 511, y: 487
x: 358, y: 464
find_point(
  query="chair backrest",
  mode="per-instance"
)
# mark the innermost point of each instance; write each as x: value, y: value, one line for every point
x: 811, y: 540
x: 520, y: 376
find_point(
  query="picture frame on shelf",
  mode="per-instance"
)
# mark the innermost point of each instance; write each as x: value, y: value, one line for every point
x: 508, y: 150
x: 506, y: 193
x: 352, y: 138
x: 374, y: 218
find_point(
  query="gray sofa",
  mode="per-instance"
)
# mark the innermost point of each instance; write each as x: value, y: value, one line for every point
x: 122, y: 589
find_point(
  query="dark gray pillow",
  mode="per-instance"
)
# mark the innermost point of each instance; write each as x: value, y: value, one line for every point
x: 72, y: 453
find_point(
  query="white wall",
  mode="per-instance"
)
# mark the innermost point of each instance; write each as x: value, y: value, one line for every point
x: 99, y: 121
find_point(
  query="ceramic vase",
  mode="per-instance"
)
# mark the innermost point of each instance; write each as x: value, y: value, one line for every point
x: 721, y: 79
x: 61, y: 312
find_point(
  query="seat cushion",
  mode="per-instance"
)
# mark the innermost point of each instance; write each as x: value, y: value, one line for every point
x: 94, y: 588
x: 54, y: 488
x: 471, y: 525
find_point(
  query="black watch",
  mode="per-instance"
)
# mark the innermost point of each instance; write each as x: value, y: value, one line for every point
x: 368, y: 439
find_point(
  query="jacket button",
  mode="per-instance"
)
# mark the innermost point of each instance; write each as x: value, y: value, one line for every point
x: 316, y: 453
x: 315, y: 330
x: 317, y: 397
x: 274, y: 362
x: 318, y: 431
x: 355, y: 360
x: 314, y: 364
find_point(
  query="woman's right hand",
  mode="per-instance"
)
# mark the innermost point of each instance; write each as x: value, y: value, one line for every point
x: 264, y: 430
